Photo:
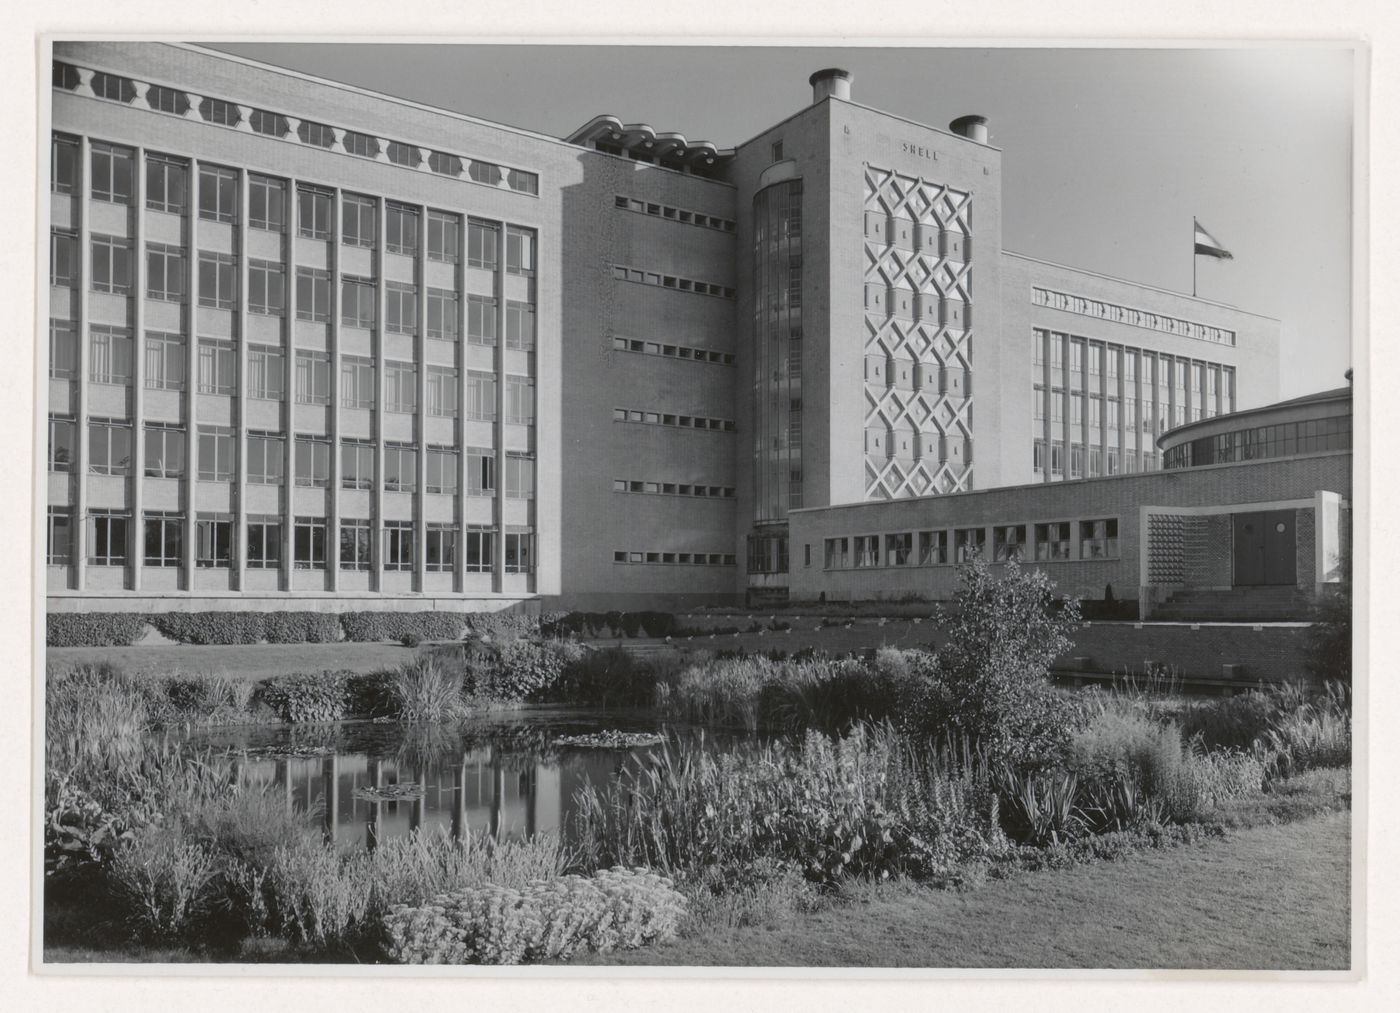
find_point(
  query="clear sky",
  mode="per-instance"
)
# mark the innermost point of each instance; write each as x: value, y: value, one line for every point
x: 1108, y: 153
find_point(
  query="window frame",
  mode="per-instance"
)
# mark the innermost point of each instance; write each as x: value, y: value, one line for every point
x: 222, y: 204
x: 218, y: 449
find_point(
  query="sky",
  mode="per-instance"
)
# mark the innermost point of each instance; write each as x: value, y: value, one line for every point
x: 1107, y: 153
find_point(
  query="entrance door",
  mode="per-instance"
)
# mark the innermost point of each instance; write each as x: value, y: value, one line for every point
x: 1265, y: 548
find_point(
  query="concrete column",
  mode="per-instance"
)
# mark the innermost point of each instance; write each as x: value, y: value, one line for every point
x: 83, y: 193
x: 335, y: 357
x: 460, y: 282
x: 289, y: 445
x: 289, y: 364
x: 240, y: 390
x: 1046, y: 427
x: 377, y: 339
x: 499, y: 287
x: 191, y: 484
x: 137, y: 401
x: 420, y: 353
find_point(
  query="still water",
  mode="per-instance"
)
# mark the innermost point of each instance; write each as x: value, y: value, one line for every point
x: 505, y: 776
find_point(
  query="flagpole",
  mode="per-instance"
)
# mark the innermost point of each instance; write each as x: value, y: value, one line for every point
x: 1193, y: 256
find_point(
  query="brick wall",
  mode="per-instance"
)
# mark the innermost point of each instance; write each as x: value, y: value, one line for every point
x: 1305, y: 526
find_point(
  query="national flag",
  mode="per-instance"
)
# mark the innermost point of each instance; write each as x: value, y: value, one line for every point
x: 1208, y: 246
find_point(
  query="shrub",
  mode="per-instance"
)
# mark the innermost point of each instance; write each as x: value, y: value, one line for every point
x: 1229, y: 722
x: 606, y: 678
x: 364, y: 627
x: 301, y: 627
x: 94, y: 629
x: 320, y: 696
x: 165, y: 882
x: 212, y: 627
x: 371, y: 695
x: 410, y: 640
x: 525, y: 669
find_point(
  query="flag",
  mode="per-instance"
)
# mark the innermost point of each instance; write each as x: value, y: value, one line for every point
x: 1208, y: 246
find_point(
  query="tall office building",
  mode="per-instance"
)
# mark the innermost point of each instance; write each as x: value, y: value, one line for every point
x: 320, y: 348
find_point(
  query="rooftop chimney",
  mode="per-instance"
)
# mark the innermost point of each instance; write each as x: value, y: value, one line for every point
x: 974, y: 128
x: 833, y: 82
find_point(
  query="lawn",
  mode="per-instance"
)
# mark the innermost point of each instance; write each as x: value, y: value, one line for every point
x: 245, y: 661
x: 1273, y: 897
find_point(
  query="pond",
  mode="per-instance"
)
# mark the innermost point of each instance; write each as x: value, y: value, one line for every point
x: 508, y: 776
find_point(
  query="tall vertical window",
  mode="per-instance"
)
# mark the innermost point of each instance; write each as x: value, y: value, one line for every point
x: 520, y: 476
x: 62, y: 443
x: 165, y: 272
x: 1038, y: 348
x: 111, y: 265
x: 60, y: 537
x: 354, y: 544
x: 356, y: 382
x: 216, y: 446
x: 218, y: 367
x: 218, y: 194
x: 481, y: 472
x: 402, y: 227
x: 441, y: 549
x: 398, y: 545
x: 267, y: 461
x: 313, y: 375
x: 165, y: 361
x: 400, y: 467
x: 442, y: 471
x: 313, y: 295
x: 1008, y: 542
x: 520, y: 251
x: 218, y: 280
x: 264, y: 543
x: 107, y: 538
x: 267, y: 203
x: 356, y: 465
x: 481, y: 320
x: 481, y: 396
x: 309, y: 543
x: 266, y: 373
x: 444, y: 237
x: 63, y: 258
x: 213, y: 540
x: 400, y: 387
x: 165, y: 539
x: 483, y: 244
x: 520, y: 400
x: 480, y: 549
x: 442, y: 391
x: 520, y: 325
x: 164, y: 451
x: 1052, y: 541
x: 63, y: 165
x: 442, y: 314
x: 167, y: 184
x: 109, y: 354
x: 313, y: 212
x: 1098, y: 539
x: 520, y: 550
x: 933, y: 548
x: 313, y: 462
x: 63, y: 350
x: 112, y: 172
x: 357, y: 302
x: 970, y: 542
x: 400, y: 308
x: 109, y: 447
x: 357, y: 220
x: 267, y: 287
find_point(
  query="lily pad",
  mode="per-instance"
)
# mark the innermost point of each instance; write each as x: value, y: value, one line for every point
x: 610, y: 740
x: 404, y: 791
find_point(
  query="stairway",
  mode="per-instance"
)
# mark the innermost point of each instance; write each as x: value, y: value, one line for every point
x: 1237, y: 605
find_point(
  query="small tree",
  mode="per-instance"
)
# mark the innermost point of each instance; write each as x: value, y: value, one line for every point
x: 994, y: 684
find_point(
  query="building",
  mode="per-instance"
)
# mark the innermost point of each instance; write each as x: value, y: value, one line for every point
x: 315, y: 347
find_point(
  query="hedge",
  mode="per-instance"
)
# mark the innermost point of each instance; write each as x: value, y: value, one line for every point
x: 95, y: 629
x: 365, y: 627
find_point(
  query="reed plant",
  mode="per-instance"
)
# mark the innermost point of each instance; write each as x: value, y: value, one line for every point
x: 424, y: 690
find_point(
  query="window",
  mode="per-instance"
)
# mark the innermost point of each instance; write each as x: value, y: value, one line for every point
x: 402, y: 226
x: 213, y: 541
x: 400, y: 387
x: 524, y: 182
x: 109, y: 447
x: 1052, y: 541
x: 218, y: 280
x: 166, y: 186
x: 264, y: 543
x: 271, y: 124
x: 218, y: 194
x: 313, y: 376
x: 313, y: 462
x: 867, y: 550
x: 519, y: 551
x: 480, y: 549
x: 899, y: 548
x: 970, y: 542
x: 309, y: 543
x: 442, y: 391
x: 313, y: 295
x: 481, y: 320
x: 520, y: 251
x: 441, y: 548
x: 398, y: 545
x: 165, y: 539
x: 110, y: 86
x: 442, y: 314
x: 357, y: 302
x: 481, y: 397
x: 1076, y: 461
x: 65, y: 76
x: 266, y: 373
x: 62, y: 443
x: 1098, y: 539
x: 356, y: 382
x: 485, y: 172
x: 215, y: 454
x: 167, y: 100
x: 267, y: 203
x: 520, y: 476
x: 109, y: 350
x: 313, y: 211
x: 165, y: 361
x: 357, y: 220
x: 520, y: 325
x: 400, y: 308
x: 111, y: 265
x: 63, y: 165
x: 267, y: 287
x: 777, y: 151
x: 225, y: 114
x: 63, y: 258
x: 360, y: 144
x: 317, y: 134
x: 112, y: 171
x: 483, y: 243
x: 354, y: 544
x: 442, y: 471
x: 837, y: 553
x: 356, y: 465
x: 400, y: 467
x: 165, y: 451
x: 59, y: 550
x: 63, y: 350
x: 520, y: 400
x: 266, y: 459
x: 444, y: 236
x: 218, y: 367
x: 1038, y: 457
x: 933, y: 548
x: 1008, y: 542
x: 403, y: 154
x: 481, y: 472
x: 107, y: 538
x: 445, y: 164
x: 165, y: 272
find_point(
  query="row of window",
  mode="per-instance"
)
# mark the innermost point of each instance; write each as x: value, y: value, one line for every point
x: 1097, y: 539
x: 1099, y: 463
x: 1082, y: 357
x: 673, y: 213
x: 673, y: 351
x: 1285, y: 439
x: 622, y: 273
x: 672, y: 488
x: 112, y: 171
x: 667, y: 419
x: 271, y: 124
x: 163, y: 543
x: 678, y: 558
